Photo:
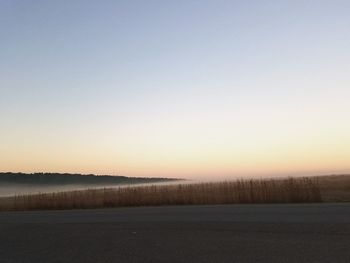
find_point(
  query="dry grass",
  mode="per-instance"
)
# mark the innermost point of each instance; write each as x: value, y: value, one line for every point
x: 291, y: 190
x: 335, y: 188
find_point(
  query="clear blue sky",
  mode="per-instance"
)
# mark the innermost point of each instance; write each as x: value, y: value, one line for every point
x: 175, y: 88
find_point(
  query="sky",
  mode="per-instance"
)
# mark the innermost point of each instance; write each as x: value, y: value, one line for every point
x: 190, y: 89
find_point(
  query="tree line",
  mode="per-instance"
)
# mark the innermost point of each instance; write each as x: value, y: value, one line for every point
x: 69, y: 178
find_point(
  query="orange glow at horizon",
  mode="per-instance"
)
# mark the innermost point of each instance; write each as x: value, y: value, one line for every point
x: 216, y: 151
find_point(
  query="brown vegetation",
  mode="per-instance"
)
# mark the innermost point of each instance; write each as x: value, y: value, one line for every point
x: 335, y: 188
x: 291, y: 190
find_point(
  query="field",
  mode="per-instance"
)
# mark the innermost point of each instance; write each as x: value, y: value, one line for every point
x: 288, y: 190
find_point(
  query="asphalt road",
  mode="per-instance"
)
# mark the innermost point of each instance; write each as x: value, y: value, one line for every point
x: 227, y: 233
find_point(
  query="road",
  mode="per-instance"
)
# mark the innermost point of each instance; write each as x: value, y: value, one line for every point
x: 224, y: 233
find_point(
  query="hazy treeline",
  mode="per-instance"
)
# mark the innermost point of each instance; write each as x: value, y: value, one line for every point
x: 68, y: 179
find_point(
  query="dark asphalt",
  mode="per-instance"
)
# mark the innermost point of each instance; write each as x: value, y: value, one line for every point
x: 227, y: 233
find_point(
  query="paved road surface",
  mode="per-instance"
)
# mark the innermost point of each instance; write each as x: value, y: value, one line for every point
x: 227, y: 233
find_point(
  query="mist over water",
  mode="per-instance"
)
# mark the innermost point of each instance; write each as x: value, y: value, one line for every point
x: 10, y: 189
x: 21, y: 189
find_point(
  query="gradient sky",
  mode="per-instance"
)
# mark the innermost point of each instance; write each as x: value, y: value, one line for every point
x: 196, y: 89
